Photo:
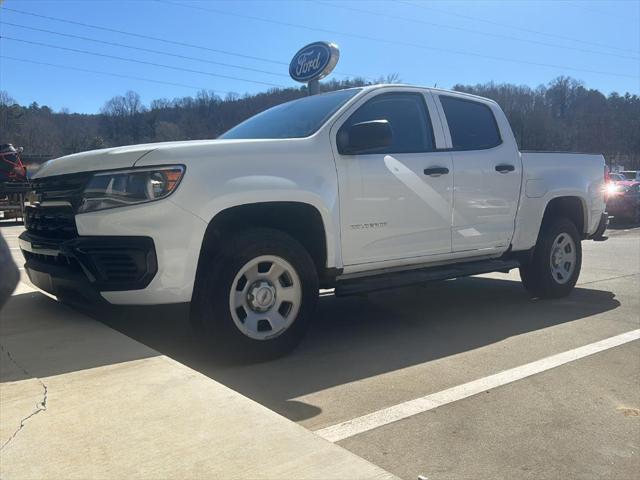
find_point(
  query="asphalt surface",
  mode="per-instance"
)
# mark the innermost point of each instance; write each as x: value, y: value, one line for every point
x: 580, y: 419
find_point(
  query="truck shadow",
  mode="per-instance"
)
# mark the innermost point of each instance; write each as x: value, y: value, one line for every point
x: 355, y: 338
x: 40, y: 337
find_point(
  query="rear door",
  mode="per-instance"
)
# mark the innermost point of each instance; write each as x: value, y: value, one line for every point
x: 487, y: 173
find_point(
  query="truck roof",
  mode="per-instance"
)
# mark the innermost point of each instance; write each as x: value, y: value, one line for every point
x: 422, y: 87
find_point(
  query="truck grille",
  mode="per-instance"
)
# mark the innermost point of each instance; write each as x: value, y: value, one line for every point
x: 61, y: 188
x: 59, y: 197
x: 50, y: 222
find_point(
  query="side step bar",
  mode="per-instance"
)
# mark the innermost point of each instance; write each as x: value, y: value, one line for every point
x: 411, y: 277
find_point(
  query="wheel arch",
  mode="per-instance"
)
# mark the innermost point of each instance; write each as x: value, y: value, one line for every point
x: 573, y: 207
x: 533, y: 211
x: 301, y: 220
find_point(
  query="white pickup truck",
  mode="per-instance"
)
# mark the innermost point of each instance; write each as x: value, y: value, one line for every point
x: 358, y: 190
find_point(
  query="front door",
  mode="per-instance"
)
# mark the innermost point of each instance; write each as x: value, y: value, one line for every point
x: 395, y: 202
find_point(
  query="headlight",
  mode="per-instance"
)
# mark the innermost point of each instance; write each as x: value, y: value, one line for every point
x: 120, y: 188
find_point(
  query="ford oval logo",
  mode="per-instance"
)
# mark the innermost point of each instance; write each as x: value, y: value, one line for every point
x: 313, y: 62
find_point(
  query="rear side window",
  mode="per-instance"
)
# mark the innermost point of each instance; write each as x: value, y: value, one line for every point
x: 408, y: 117
x: 471, y: 124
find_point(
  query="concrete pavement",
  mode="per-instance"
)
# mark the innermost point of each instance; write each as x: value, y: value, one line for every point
x: 363, y: 355
x: 81, y: 400
x: 575, y: 422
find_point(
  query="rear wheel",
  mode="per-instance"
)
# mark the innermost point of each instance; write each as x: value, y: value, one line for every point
x: 257, y: 296
x: 555, y: 265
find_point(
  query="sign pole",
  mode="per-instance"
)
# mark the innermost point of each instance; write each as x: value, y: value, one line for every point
x: 313, y: 86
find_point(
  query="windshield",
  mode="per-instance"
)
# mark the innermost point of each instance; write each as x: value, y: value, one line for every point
x: 296, y: 119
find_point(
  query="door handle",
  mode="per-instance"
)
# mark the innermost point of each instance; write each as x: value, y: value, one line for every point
x: 505, y: 168
x: 436, y: 171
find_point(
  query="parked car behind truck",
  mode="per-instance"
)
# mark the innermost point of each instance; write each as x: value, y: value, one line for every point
x: 357, y: 190
x: 631, y: 175
x: 623, y: 201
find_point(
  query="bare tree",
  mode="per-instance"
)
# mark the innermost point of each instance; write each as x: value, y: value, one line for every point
x: 123, y: 117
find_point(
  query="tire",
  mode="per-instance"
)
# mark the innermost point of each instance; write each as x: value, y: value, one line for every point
x: 555, y: 265
x: 276, y: 292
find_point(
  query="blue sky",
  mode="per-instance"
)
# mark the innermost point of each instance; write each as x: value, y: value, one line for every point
x: 425, y: 42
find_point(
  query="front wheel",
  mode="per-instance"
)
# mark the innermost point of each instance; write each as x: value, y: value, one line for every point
x: 555, y: 265
x: 258, y: 295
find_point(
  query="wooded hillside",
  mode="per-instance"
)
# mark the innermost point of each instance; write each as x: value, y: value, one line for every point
x: 563, y: 115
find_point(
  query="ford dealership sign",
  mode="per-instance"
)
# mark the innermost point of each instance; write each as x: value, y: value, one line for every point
x: 313, y: 62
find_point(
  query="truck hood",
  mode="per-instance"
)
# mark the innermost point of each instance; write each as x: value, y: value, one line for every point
x: 129, y: 156
x: 106, y: 159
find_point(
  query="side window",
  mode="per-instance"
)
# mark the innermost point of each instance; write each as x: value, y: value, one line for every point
x: 471, y: 124
x: 408, y: 117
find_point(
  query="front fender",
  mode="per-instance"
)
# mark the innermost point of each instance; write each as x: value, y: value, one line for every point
x: 262, y: 189
x: 224, y: 174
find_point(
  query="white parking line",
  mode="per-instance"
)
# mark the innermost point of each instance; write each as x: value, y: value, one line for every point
x: 410, y: 408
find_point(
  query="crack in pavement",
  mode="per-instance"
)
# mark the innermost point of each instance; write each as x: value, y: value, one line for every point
x: 41, y: 406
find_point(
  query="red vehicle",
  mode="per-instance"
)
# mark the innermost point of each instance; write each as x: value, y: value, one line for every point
x: 11, y: 167
x: 13, y: 182
x: 623, y: 201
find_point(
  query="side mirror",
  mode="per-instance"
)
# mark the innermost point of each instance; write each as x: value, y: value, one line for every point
x: 364, y: 137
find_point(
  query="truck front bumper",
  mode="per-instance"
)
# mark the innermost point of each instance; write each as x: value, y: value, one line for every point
x: 173, y: 234
x: 83, y: 268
